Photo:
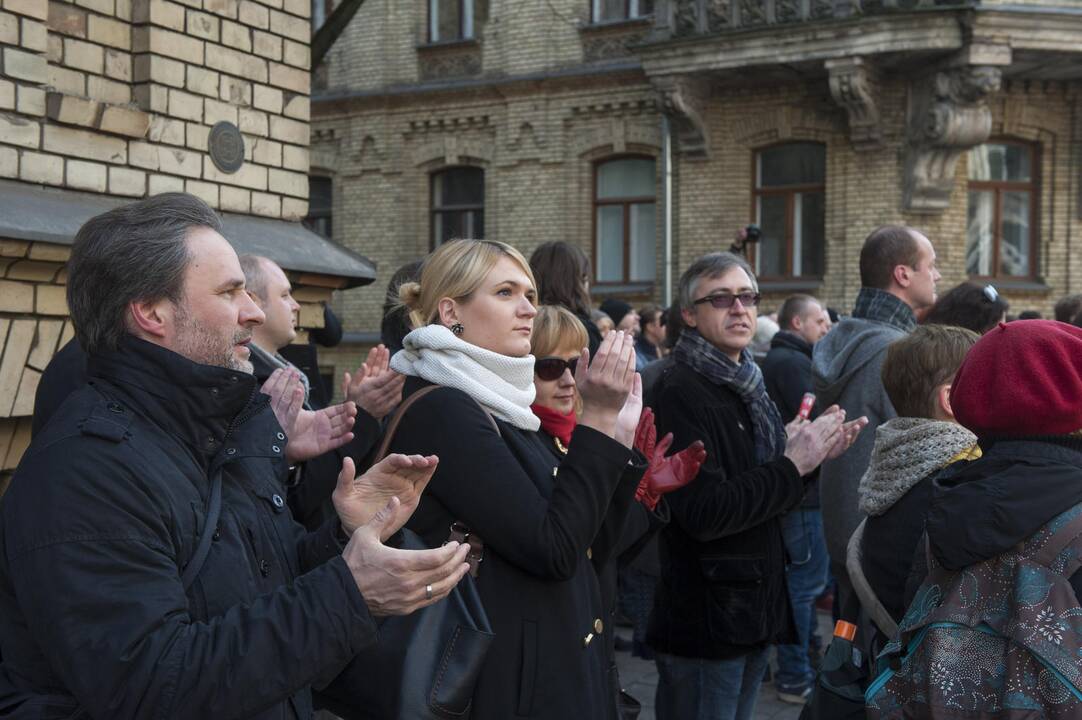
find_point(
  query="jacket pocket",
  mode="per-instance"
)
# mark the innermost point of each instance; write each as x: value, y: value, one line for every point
x: 51, y: 707
x: 736, y: 607
x: 528, y: 671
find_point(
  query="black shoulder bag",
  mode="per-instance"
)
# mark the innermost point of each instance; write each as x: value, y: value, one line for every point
x: 425, y: 665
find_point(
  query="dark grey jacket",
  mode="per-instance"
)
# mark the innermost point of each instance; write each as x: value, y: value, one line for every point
x: 102, y: 516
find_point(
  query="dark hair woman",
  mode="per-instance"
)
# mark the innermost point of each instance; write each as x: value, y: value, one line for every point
x: 971, y: 306
x: 563, y: 271
x: 632, y: 521
x: 474, y: 312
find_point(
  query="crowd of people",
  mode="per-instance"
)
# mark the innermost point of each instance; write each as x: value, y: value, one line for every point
x: 196, y: 531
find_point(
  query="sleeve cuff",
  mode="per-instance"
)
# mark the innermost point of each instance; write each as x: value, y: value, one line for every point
x: 598, y: 443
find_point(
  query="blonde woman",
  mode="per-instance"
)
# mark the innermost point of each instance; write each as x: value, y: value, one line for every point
x: 474, y: 313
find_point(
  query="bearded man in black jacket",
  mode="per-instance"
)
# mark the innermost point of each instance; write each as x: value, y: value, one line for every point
x: 120, y: 594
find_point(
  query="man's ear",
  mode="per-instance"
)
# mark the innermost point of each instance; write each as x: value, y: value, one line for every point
x: 152, y: 320
x: 688, y: 316
x: 902, y: 275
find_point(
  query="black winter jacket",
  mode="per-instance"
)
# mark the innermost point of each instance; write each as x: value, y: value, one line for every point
x: 103, y: 514
x: 538, y: 588
x: 310, y: 497
x: 787, y: 374
x: 722, y: 591
x: 628, y: 529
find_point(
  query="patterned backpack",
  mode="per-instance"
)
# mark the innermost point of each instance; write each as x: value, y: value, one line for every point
x: 999, y: 639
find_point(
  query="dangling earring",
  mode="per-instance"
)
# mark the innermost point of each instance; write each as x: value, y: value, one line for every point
x: 457, y: 329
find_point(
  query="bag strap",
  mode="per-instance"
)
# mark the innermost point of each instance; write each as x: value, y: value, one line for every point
x: 459, y: 532
x: 210, y: 526
x: 868, y: 599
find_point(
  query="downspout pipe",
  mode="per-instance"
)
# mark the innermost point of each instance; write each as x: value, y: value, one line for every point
x: 666, y: 151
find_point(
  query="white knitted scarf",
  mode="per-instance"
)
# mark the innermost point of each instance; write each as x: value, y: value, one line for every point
x: 502, y: 384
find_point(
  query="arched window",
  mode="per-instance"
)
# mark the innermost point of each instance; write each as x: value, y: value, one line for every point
x: 624, y: 220
x: 1000, y: 232
x: 790, y: 207
x: 458, y: 204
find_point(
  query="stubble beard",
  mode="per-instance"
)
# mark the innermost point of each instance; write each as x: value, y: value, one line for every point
x: 198, y: 344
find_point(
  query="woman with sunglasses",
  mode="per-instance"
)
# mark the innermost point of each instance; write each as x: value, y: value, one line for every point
x: 473, y: 311
x: 631, y: 521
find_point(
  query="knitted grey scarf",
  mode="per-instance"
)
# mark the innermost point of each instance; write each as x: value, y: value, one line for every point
x: 907, y: 450
x: 746, y: 380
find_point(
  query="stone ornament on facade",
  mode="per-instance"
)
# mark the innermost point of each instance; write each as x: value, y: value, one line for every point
x: 684, y: 100
x: 854, y: 85
x: 951, y: 115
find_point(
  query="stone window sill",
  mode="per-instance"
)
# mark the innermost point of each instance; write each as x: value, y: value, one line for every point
x: 617, y: 25
x: 465, y: 43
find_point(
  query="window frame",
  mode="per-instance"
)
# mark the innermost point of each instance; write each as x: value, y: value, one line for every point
x: 998, y: 188
x: 467, y: 22
x: 627, y: 202
x: 595, y: 12
x: 790, y: 191
x: 327, y: 214
x: 433, y: 210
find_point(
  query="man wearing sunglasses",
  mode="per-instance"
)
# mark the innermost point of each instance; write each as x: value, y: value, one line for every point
x: 898, y: 275
x: 722, y: 601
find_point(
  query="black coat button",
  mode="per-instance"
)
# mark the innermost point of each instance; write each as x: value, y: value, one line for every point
x: 278, y: 501
x: 264, y: 568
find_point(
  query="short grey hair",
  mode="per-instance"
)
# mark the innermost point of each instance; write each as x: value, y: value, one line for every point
x: 711, y: 265
x: 136, y: 252
x: 255, y: 275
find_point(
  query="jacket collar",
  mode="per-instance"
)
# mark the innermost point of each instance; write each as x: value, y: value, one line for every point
x: 881, y: 306
x: 788, y: 339
x: 198, y: 404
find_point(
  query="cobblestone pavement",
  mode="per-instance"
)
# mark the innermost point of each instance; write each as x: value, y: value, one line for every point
x: 639, y: 678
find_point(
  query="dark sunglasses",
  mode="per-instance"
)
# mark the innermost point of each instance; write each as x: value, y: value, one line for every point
x: 552, y: 368
x: 723, y: 301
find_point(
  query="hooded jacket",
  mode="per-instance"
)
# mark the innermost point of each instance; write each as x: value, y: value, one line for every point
x: 846, y: 367
x: 788, y: 376
x: 989, y: 506
x: 102, y: 516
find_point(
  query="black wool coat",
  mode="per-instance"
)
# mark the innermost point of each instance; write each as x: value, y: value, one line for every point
x: 722, y: 591
x: 313, y: 481
x: 101, y: 518
x: 628, y: 528
x: 536, y: 583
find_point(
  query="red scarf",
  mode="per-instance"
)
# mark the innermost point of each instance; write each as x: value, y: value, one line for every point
x: 555, y: 424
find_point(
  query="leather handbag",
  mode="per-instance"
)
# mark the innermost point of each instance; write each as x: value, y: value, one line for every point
x: 425, y: 665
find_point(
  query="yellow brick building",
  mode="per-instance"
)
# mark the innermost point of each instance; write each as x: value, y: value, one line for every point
x: 104, y: 101
x: 650, y: 131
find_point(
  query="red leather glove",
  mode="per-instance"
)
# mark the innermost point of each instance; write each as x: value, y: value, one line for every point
x: 665, y: 474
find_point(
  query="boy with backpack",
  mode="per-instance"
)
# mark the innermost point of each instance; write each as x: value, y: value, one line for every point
x: 996, y: 628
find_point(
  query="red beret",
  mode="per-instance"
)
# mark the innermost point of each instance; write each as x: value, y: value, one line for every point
x: 1021, y: 379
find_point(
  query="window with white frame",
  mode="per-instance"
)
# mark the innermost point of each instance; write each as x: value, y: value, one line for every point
x: 1001, y: 211
x: 790, y: 208
x: 613, y: 10
x: 625, y: 228
x: 450, y: 20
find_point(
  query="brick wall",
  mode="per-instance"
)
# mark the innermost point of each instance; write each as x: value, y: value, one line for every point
x: 118, y: 97
x: 537, y: 143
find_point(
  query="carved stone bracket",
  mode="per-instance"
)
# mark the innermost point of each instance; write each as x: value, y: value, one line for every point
x: 950, y: 114
x: 854, y: 84
x: 684, y: 100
